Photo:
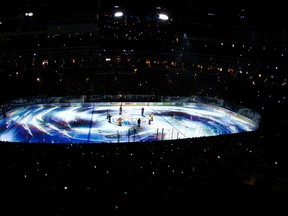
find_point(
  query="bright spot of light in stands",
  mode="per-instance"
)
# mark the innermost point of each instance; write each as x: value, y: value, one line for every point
x: 118, y: 14
x: 163, y: 17
x: 30, y: 14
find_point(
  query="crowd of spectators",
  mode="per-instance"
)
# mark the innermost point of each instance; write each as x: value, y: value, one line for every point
x: 183, y: 174
x: 244, y: 172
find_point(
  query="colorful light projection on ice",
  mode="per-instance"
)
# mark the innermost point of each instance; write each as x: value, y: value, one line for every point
x: 89, y: 123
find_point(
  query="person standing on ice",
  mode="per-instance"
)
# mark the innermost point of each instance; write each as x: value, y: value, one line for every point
x: 151, y: 116
x: 120, y: 110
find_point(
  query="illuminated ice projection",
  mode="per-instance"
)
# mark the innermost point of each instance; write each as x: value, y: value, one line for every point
x: 91, y: 123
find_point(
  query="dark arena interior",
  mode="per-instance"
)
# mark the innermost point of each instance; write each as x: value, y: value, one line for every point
x: 107, y: 50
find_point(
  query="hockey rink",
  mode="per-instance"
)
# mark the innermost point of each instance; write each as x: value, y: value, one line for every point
x: 91, y: 123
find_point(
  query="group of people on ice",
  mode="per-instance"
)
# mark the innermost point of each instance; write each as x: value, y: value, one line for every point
x: 120, y: 119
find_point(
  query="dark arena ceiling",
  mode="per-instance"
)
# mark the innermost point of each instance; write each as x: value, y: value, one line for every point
x: 233, y: 12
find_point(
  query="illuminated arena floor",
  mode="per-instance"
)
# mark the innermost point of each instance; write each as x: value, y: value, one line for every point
x: 88, y: 123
